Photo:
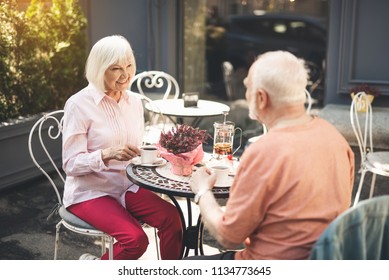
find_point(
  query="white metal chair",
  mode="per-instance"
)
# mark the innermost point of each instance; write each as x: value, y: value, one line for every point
x: 228, y: 70
x: 155, y: 122
x: 316, y: 75
x: 233, y: 81
x: 361, y: 117
x: 155, y: 84
x: 44, y: 135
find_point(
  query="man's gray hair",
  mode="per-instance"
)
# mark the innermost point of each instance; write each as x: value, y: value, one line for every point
x: 282, y: 75
x: 107, y: 51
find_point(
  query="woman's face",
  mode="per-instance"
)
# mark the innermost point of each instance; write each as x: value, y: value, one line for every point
x: 117, y: 77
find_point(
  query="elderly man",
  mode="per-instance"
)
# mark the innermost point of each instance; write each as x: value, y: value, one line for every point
x: 291, y: 183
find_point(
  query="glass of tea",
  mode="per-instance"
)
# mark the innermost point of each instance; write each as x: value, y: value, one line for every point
x: 223, y: 140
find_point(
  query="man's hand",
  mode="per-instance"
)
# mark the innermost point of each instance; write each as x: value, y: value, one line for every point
x: 202, y: 179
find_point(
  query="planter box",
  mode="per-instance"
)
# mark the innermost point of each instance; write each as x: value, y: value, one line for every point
x: 16, y: 166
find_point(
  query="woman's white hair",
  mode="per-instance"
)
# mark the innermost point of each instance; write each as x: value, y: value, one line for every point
x: 282, y: 75
x: 106, y: 52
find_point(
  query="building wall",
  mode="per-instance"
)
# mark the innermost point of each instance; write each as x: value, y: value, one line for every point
x: 357, y: 40
x: 358, y: 45
x: 149, y: 25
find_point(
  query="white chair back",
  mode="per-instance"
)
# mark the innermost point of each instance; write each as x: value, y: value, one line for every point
x: 48, y: 130
x: 361, y: 117
x: 155, y: 84
x: 228, y: 70
x: 46, y: 135
x: 155, y: 122
x: 360, y: 104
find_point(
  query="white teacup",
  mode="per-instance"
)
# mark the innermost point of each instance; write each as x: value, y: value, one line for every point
x: 148, y: 154
x: 221, y: 172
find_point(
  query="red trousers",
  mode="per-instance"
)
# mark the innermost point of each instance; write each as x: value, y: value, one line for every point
x: 108, y: 215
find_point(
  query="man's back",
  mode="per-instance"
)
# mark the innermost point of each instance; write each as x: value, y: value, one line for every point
x: 290, y: 185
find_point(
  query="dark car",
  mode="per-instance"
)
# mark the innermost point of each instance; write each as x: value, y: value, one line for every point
x: 248, y: 36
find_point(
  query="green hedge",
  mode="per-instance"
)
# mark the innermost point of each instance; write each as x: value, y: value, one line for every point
x: 42, y: 55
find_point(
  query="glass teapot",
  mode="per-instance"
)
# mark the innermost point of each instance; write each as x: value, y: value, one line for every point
x: 223, y: 140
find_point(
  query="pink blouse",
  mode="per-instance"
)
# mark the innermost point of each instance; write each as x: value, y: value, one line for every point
x: 94, y: 121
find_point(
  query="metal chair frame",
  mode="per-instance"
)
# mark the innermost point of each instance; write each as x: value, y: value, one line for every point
x: 364, y: 135
x: 68, y: 220
x: 155, y: 122
x: 147, y: 80
x: 144, y: 83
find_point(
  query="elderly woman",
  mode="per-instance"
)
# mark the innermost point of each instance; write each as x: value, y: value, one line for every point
x: 103, y: 128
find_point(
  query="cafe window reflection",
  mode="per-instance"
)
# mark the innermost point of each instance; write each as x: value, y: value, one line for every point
x: 206, y: 23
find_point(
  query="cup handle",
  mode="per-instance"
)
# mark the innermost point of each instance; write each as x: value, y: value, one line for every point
x: 240, y: 139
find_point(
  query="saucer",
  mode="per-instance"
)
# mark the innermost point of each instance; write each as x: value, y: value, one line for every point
x: 158, y: 162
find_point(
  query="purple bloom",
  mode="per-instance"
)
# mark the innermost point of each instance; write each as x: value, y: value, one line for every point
x: 182, y: 138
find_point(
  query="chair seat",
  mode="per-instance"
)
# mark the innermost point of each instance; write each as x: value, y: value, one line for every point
x: 378, y: 162
x: 73, y: 220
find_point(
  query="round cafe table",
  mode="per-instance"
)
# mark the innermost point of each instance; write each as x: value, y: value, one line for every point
x: 161, y: 180
x: 175, y: 108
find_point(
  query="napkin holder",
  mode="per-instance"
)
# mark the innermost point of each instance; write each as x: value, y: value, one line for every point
x: 190, y: 99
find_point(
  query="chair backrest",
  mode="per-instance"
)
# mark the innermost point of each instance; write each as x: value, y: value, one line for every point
x: 228, y: 70
x: 359, y: 233
x: 44, y: 141
x: 308, y: 101
x: 158, y: 83
x: 361, y: 117
x: 315, y: 73
x: 233, y: 81
x: 155, y: 121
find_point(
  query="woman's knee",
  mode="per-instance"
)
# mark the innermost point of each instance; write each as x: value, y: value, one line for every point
x: 136, y: 240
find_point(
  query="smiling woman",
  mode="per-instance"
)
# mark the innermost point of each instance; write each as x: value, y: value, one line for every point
x: 102, y: 130
x: 117, y: 79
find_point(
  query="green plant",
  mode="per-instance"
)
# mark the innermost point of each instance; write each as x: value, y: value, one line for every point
x: 42, y: 51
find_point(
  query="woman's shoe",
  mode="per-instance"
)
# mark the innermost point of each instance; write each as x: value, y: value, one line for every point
x: 88, y: 257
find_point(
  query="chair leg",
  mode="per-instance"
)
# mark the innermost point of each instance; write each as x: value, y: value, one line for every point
x: 56, y: 242
x: 156, y: 242
x: 372, y: 185
x: 356, y: 199
x: 103, y: 246
x: 110, y: 247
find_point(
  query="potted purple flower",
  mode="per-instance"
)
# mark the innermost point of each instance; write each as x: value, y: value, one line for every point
x: 370, y: 91
x: 182, y: 146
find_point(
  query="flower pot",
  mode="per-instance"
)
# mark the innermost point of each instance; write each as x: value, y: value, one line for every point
x: 181, y: 170
x: 182, y: 164
x: 361, y: 103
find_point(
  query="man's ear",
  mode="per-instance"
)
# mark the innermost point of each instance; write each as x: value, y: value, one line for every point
x: 262, y: 99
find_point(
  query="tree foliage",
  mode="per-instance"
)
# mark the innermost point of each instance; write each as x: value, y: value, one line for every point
x: 42, y: 55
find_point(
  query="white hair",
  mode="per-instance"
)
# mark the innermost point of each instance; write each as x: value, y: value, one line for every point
x: 282, y: 75
x: 107, y: 51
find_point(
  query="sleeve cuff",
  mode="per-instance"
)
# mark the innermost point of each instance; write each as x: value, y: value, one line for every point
x: 96, y: 162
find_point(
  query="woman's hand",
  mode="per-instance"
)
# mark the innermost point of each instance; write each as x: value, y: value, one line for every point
x: 202, y: 179
x: 124, y: 153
